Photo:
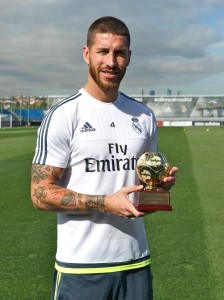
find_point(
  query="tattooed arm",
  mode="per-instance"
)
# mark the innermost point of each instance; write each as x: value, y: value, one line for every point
x: 46, y: 194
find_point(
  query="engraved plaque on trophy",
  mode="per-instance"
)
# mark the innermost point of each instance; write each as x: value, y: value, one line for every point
x: 151, y: 168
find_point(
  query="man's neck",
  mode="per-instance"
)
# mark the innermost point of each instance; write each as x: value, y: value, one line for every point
x: 107, y: 96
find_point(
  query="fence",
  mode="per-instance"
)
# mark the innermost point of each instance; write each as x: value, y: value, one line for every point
x: 21, y: 117
x: 178, y: 110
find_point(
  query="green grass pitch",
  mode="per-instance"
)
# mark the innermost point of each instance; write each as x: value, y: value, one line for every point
x: 186, y: 244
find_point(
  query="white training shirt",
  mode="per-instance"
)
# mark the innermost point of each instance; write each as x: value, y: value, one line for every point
x: 98, y: 144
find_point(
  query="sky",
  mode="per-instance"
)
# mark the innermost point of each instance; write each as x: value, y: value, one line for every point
x: 176, y: 45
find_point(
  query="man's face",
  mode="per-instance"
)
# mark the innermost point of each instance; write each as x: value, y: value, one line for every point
x: 108, y: 59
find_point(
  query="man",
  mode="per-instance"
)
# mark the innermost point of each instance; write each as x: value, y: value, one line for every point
x: 84, y: 169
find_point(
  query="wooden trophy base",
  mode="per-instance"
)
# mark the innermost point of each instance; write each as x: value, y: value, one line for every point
x: 154, y: 200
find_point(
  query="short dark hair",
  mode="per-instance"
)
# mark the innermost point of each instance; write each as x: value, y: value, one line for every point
x: 108, y: 25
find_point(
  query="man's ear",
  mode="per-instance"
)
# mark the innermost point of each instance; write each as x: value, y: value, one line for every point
x: 85, y: 53
x: 129, y: 58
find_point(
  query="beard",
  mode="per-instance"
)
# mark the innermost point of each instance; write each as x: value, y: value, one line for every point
x: 112, y: 84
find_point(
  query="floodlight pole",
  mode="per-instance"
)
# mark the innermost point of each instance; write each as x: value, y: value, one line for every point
x: 1, y: 109
x: 28, y: 115
x: 20, y: 110
x: 2, y: 102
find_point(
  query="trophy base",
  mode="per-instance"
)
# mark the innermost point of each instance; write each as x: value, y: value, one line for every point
x: 154, y: 200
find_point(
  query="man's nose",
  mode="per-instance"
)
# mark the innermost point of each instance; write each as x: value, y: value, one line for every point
x: 111, y: 60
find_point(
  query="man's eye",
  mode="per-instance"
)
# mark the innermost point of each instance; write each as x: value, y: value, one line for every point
x: 120, y: 53
x: 102, y: 52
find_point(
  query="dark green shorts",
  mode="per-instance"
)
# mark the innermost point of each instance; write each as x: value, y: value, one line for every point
x: 126, y: 285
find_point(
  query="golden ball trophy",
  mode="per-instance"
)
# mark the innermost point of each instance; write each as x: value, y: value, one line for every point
x: 151, y: 168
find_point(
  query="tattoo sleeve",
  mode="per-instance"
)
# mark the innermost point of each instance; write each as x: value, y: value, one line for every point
x: 95, y: 202
x: 48, y: 195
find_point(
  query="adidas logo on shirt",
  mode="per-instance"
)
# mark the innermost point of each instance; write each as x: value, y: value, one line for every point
x: 87, y: 128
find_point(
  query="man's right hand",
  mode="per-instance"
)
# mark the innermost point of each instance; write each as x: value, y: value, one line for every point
x: 120, y: 205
